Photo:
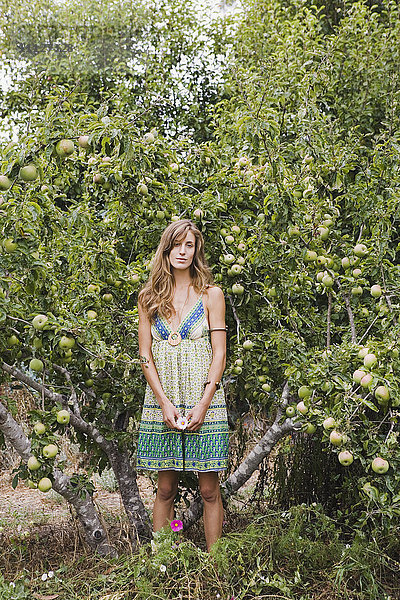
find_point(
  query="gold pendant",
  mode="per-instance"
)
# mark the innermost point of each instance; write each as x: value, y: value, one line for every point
x: 174, y: 338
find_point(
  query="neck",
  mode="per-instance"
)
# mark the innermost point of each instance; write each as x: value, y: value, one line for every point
x: 182, y: 278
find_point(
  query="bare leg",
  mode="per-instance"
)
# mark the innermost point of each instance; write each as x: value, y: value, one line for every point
x: 163, y: 511
x: 213, y: 509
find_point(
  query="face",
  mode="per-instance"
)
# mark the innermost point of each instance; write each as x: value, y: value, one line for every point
x: 182, y: 252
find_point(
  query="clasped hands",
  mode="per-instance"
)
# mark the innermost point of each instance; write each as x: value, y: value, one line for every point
x: 194, y: 419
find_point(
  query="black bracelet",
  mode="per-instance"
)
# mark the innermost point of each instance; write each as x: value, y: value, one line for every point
x: 217, y: 383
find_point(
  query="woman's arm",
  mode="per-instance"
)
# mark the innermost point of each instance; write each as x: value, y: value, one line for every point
x: 216, y: 317
x: 170, y: 414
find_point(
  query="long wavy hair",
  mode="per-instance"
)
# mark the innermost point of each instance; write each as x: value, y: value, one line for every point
x: 158, y: 292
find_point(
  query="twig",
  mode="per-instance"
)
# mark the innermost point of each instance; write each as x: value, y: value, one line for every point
x: 328, y: 325
x: 235, y: 316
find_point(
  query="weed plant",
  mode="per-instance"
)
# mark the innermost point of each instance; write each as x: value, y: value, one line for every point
x: 299, y: 554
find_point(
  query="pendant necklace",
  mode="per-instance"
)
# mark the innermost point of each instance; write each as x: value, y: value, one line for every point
x: 174, y: 337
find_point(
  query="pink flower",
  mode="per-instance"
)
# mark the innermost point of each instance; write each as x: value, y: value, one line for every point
x: 176, y: 525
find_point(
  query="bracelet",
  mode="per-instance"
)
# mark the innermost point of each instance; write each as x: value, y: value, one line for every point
x: 217, y: 383
x: 218, y: 329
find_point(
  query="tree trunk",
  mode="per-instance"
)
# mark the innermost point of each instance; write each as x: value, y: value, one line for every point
x: 127, y: 482
x: 95, y: 534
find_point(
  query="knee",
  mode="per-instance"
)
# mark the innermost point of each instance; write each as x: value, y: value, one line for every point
x: 210, y: 493
x: 167, y: 492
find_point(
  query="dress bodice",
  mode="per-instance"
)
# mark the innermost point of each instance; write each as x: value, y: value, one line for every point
x: 193, y: 326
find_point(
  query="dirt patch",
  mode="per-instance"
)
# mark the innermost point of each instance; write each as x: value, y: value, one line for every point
x: 24, y: 504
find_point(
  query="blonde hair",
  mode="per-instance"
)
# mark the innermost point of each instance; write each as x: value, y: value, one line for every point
x: 158, y: 292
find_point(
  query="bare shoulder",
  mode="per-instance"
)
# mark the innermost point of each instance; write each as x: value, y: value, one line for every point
x: 214, y: 294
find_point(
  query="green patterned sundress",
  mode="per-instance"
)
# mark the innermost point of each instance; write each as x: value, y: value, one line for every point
x: 183, y: 370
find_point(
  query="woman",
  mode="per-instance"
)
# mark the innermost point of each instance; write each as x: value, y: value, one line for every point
x: 182, y: 344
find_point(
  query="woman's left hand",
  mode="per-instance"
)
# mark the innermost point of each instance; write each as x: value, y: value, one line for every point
x: 196, y: 417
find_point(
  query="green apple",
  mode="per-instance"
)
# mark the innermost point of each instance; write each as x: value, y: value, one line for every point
x: 357, y: 291
x: 89, y: 382
x: 323, y: 233
x: 50, y: 451
x: 237, y: 370
x: 65, y: 148
x: 345, y: 262
x: 248, y: 344
x: 83, y: 141
x: 39, y: 428
x: 309, y: 428
x: 329, y: 423
x: 63, y: 417
x: 32, y: 485
x: 235, y: 228
x: 98, y: 178
x: 327, y: 281
x: 358, y: 375
x: 148, y: 138
x: 304, y: 392
x: 302, y: 408
x: 320, y: 275
x: 345, y: 458
x: 310, y: 256
x: 239, y: 362
x: 174, y: 167
x: 236, y: 269
x: 241, y: 247
x: 198, y: 213
x: 321, y: 260
x: 39, y: 321
x: 36, y: 365
x: 93, y: 288
x: 376, y: 291
x: 10, y: 245
x: 37, y: 343
x: 28, y: 173
x: 45, y: 484
x: 382, y: 394
x: 290, y: 411
x: 107, y: 297
x: 5, y: 183
x: 266, y: 387
x: 33, y: 463
x: 369, y: 360
x: 12, y: 340
x: 294, y: 231
x: 360, y: 250
x: 229, y: 239
x: 91, y: 315
x: 335, y: 438
x: 366, y: 380
x: 66, y: 342
x: 362, y: 353
x: 357, y: 273
x: 237, y: 289
x: 228, y: 259
x: 380, y: 465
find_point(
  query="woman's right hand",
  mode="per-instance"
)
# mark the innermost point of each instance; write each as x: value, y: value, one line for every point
x: 170, y: 415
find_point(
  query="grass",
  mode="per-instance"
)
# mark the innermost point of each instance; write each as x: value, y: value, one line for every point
x: 300, y: 554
